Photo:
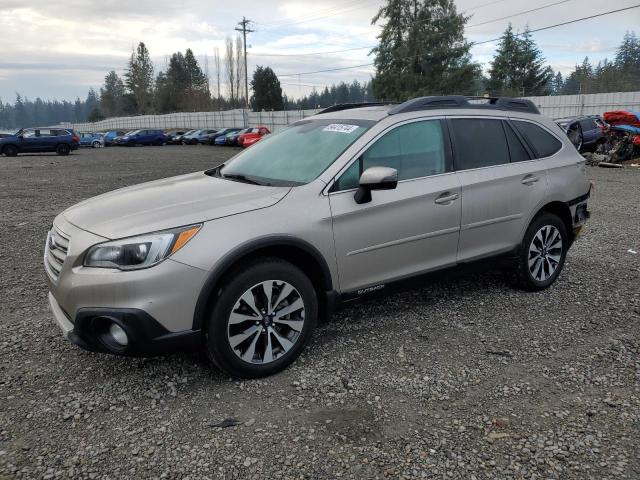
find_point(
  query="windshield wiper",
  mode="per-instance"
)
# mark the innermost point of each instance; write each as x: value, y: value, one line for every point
x: 240, y: 178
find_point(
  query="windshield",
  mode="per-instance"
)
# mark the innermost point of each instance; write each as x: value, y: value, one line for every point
x: 298, y: 154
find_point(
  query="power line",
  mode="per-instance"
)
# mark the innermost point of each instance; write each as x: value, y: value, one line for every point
x: 415, y: 23
x: 473, y: 44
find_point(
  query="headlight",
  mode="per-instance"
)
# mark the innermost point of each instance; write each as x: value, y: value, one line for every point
x: 139, y: 252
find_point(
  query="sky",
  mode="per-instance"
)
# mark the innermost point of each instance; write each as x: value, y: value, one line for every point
x: 59, y: 50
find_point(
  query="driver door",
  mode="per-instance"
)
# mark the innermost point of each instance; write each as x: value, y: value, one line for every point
x: 402, y: 232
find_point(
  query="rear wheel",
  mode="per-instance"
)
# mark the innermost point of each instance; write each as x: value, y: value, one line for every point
x: 262, y: 319
x: 542, y: 253
x: 96, y: 144
x: 10, y: 150
x: 63, y: 149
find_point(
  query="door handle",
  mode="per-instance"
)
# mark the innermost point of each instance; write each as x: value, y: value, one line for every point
x: 529, y: 180
x: 446, y: 198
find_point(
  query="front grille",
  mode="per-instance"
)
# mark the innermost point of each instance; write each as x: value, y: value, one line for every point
x: 55, y: 252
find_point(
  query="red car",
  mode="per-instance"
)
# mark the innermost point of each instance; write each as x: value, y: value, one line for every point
x: 254, y: 135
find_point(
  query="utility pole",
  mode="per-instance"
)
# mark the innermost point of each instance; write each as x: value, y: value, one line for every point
x: 243, y: 27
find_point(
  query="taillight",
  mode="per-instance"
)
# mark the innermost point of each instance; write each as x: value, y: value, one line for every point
x: 75, y: 138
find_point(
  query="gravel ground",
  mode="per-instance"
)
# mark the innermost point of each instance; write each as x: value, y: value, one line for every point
x: 465, y: 378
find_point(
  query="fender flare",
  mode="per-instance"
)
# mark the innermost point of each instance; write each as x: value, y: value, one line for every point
x: 244, y: 250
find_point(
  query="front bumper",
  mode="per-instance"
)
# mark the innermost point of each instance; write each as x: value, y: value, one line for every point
x: 155, y: 306
x: 145, y: 335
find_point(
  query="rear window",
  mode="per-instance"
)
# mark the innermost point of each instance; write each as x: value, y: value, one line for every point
x: 479, y: 142
x: 543, y: 143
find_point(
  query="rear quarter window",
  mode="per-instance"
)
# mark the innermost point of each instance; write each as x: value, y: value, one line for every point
x: 542, y: 142
x: 479, y: 142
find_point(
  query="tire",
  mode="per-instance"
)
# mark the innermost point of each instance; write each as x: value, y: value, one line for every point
x: 63, y: 149
x: 96, y: 145
x: 10, y: 150
x: 542, y: 254
x: 235, y: 330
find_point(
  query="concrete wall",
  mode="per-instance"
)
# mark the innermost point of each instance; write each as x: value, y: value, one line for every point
x: 553, y: 106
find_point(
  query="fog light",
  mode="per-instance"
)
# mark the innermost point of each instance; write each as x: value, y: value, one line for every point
x: 118, y: 334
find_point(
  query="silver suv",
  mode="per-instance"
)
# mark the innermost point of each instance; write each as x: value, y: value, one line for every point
x: 243, y: 259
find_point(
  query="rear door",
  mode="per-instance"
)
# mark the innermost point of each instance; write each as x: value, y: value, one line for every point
x: 401, y: 232
x: 500, y: 182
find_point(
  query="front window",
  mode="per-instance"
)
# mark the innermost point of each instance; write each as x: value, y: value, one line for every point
x: 298, y: 154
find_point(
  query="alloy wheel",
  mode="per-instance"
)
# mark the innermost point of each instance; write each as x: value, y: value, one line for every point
x: 266, y: 322
x: 545, y: 252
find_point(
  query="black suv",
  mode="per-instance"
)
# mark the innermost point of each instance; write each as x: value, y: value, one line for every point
x: 34, y: 140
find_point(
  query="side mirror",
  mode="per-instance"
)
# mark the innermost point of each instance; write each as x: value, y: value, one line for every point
x: 375, y: 178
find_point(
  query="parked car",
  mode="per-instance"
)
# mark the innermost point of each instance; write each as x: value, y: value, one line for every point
x: 93, y: 140
x: 5, y: 134
x: 143, y: 137
x: 196, y: 136
x: 232, y: 138
x: 221, y: 134
x: 177, y: 140
x: 586, y: 133
x: 252, y: 136
x: 223, y: 138
x: 32, y: 140
x: 336, y: 207
x: 110, y: 137
x: 173, y: 135
x: 206, y: 136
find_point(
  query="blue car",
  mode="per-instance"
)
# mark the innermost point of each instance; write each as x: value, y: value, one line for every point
x: 110, y: 137
x: 33, y: 140
x: 219, y: 138
x: 93, y: 140
x: 586, y: 133
x: 143, y: 137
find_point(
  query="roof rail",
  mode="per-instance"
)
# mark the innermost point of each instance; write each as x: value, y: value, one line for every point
x: 349, y: 106
x: 459, y: 101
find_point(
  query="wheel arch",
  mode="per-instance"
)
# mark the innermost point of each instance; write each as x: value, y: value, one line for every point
x: 9, y: 145
x: 296, y: 251
x: 561, y: 210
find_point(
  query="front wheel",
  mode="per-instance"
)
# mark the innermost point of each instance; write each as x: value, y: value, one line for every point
x: 262, y: 319
x: 542, y: 253
x: 63, y: 149
x: 97, y: 144
x: 10, y: 150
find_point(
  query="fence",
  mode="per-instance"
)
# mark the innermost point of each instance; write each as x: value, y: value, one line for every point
x: 191, y: 120
x: 552, y: 106
x: 559, y: 106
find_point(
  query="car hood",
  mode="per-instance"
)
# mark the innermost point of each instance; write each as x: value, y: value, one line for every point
x: 169, y: 203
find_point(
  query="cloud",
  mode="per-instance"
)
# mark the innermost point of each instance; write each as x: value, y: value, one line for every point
x: 59, y: 50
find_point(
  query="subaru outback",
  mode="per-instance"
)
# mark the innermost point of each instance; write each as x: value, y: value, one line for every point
x: 241, y: 260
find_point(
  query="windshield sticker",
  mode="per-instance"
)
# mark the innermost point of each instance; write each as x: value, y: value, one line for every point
x: 340, y: 127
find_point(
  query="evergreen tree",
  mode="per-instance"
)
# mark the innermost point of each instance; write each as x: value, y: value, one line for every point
x: 558, y: 84
x: 628, y: 62
x: 580, y: 80
x: 267, y: 93
x: 139, y: 79
x: 112, y: 95
x: 184, y: 86
x: 422, y: 50
x: 518, y: 68
x: 20, y: 115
